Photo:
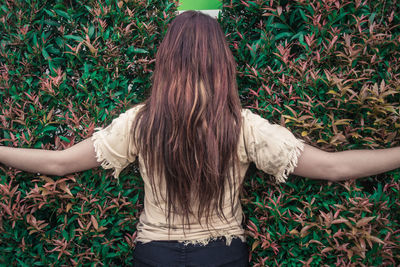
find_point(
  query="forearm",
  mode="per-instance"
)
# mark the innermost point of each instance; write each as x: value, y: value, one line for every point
x: 362, y: 163
x: 31, y: 160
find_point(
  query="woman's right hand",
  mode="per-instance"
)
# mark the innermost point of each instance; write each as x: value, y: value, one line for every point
x: 337, y: 166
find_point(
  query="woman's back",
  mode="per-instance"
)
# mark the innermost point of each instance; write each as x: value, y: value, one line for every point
x: 271, y: 147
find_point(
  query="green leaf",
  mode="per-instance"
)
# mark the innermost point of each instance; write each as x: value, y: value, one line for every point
x: 303, y: 16
x: 49, y: 128
x: 372, y: 17
x: 91, y: 31
x: 34, y: 39
x: 282, y: 35
x: 137, y: 50
x: 62, y: 14
x: 280, y: 26
x: 74, y: 37
x: 51, y: 22
x: 65, y: 235
x: 22, y: 263
x: 63, y: 138
x: 45, y: 54
x: 51, y: 14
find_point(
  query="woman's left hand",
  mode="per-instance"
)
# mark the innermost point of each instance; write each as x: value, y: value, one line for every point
x: 77, y: 158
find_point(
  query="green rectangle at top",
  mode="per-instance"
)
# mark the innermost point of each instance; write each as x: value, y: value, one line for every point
x: 199, y: 4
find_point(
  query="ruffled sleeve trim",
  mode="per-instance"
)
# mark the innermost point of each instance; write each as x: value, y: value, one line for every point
x: 295, y: 148
x: 106, y: 162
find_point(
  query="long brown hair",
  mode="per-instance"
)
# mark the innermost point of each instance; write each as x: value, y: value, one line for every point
x: 188, y: 130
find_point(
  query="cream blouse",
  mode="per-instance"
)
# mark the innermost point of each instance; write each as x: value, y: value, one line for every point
x: 272, y: 148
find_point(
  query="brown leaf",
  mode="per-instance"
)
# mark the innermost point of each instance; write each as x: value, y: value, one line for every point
x: 341, y: 220
x: 69, y: 206
x: 80, y: 224
x: 313, y: 241
x: 47, y: 179
x: 362, y: 244
x: 349, y: 254
x: 279, y: 10
x: 309, y: 261
x: 102, y: 228
x: 50, y: 115
x: 375, y: 239
x: 65, y: 188
x: 6, y: 208
x: 44, y: 191
x: 326, y: 250
x: 94, y: 222
x: 294, y: 232
x: 364, y: 221
x: 303, y: 231
x: 14, y: 190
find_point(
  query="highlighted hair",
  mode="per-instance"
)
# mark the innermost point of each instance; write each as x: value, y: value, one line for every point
x: 188, y: 130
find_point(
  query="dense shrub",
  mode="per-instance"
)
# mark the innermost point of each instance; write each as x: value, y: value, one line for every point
x: 328, y: 70
x: 66, y: 67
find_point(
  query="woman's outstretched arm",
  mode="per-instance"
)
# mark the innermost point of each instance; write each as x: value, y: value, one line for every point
x: 337, y: 166
x: 79, y: 157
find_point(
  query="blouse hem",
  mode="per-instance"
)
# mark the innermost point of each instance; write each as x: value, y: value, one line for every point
x: 202, y: 242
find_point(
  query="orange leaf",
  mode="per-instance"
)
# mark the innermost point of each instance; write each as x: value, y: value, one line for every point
x: 255, y: 244
x: 69, y: 206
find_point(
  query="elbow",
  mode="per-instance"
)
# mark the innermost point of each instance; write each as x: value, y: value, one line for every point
x: 339, y: 171
x: 335, y: 171
x: 60, y: 171
x: 58, y: 167
x: 335, y: 174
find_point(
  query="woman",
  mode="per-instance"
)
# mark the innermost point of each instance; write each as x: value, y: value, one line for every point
x: 194, y: 144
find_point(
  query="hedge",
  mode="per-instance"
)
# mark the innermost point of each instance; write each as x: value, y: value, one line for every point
x: 327, y: 70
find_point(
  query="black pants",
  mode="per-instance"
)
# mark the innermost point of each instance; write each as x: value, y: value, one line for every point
x: 175, y: 254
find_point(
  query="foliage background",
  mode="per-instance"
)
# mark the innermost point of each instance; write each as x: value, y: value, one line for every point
x: 327, y: 70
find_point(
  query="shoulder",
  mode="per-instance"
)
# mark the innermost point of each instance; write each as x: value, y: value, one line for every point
x: 250, y: 115
x: 133, y: 110
x: 260, y: 131
x: 251, y: 119
x: 130, y: 114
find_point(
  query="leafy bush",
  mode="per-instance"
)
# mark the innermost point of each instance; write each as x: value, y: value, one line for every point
x: 328, y: 70
x: 66, y: 67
